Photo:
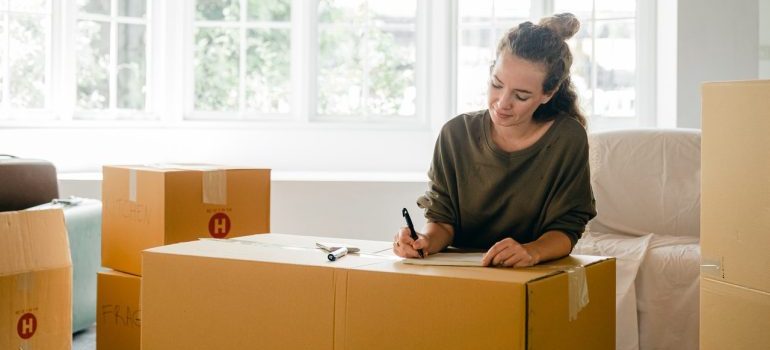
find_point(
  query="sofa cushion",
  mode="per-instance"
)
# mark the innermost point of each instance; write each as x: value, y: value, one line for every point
x: 646, y: 180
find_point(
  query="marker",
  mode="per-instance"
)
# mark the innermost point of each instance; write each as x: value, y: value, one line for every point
x: 412, y: 233
x: 337, y: 253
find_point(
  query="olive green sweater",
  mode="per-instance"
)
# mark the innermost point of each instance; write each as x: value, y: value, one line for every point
x: 488, y: 194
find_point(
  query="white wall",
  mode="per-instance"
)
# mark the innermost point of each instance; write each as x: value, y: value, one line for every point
x: 79, y: 150
x: 716, y: 40
x: 337, y: 205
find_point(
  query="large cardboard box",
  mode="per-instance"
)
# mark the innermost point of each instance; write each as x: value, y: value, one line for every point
x: 735, y: 216
x: 733, y: 317
x: 35, y: 281
x: 735, y: 183
x: 119, y: 321
x: 147, y: 206
x: 278, y: 292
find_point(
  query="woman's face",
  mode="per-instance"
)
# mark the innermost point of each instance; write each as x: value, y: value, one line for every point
x: 515, y: 90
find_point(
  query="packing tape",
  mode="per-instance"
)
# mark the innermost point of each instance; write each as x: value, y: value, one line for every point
x: 711, y: 267
x: 215, y: 186
x: 214, y: 183
x: 578, y: 290
x: 132, y: 185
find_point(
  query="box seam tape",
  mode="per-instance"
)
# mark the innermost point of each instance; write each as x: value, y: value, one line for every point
x: 132, y: 185
x: 578, y: 290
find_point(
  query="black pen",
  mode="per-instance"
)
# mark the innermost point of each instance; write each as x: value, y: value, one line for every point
x: 412, y: 233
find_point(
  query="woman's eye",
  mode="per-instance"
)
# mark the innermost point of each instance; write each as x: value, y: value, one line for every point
x: 496, y: 86
x: 521, y: 98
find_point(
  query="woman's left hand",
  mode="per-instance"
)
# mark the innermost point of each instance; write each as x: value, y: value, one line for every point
x: 509, y: 253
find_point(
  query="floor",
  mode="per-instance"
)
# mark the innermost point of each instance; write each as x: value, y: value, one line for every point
x: 84, y: 340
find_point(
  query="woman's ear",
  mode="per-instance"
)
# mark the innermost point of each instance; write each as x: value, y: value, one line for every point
x: 546, y: 98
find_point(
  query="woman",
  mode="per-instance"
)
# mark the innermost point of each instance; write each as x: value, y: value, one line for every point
x: 514, y: 178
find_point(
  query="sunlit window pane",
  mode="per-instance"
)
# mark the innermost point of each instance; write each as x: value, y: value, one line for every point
x: 268, y: 70
x: 581, y: 46
x: 340, y: 72
x: 582, y: 9
x: 349, y: 11
x: 393, y: 11
x: 391, y: 88
x: 218, y: 10
x: 615, y: 9
x: 475, y: 55
x: 27, y: 53
x: 615, y: 68
x: 3, y: 55
x: 269, y: 10
x: 475, y: 10
x: 367, y: 58
x: 507, y: 10
x: 132, y: 8
x: 100, y: 7
x: 217, y: 55
x: 93, y: 76
x: 131, y: 66
x: 36, y: 6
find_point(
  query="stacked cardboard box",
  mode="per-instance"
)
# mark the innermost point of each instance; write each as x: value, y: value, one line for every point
x: 150, y: 206
x: 279, y: 292
x: 35, y: 281
x: 735, y: 216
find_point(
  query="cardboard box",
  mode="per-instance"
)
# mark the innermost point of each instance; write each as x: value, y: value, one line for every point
x: 146, y: 207
x: 277, y: 292
x: 119, y: 320
x: 35, y: 281
x: 735, y: 183
x: 733, y: 317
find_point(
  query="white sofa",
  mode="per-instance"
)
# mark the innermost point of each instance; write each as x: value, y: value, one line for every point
x: 647, y: 188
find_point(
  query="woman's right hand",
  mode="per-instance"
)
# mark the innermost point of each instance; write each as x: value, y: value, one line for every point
x: 405, y: 247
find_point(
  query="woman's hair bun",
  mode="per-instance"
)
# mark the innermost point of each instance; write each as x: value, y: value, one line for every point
x: 565, y: 25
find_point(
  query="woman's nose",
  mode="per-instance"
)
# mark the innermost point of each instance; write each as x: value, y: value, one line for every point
x: 505, y: 101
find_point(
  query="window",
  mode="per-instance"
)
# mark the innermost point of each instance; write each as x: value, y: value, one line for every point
x: 241, y: 56
x: 25, y: 56
x: 604, y: 51
x: 481, y: 24
x: 111, y: 66
x: 367, y: 55
x: 604, y: 69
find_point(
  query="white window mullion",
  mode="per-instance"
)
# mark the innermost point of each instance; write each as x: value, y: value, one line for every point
x: 305, y: 60
x: 303, y: 57
x: 242, y: 62
x: 188, y: 57
x: 421, y: 29
x: 48, y: 99
x: 113, y: 75
x: 149, y: 61
x: 364, y: 95
x: 541, y: 8
x: 646, y: 67
x: 6, y: 62
x: 594, y: 66
x: 67, y: 87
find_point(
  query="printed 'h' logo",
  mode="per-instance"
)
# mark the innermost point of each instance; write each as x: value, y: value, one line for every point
x: 27, y: 326
x: 219, y: 225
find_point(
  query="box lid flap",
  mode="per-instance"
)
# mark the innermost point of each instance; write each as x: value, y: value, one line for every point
x: 32, y: 241
x: 500, y: 274
x: 174, y: 167
x: 260, y: 252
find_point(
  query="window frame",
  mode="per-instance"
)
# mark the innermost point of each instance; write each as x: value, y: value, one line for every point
x: 113, y: 112
x: 34, y: 114
x: 645, y: 41
x: 168, y: 106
